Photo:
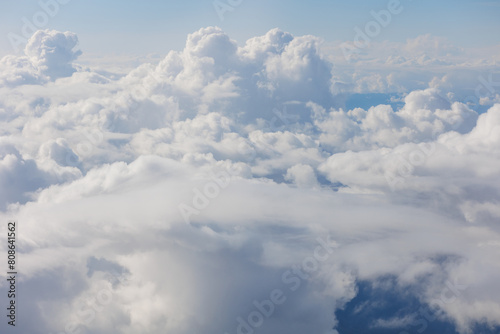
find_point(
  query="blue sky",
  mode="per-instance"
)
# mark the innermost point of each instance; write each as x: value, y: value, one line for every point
x: 134, y: 27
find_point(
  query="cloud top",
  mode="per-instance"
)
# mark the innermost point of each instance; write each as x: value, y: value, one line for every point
x: 177, y: 197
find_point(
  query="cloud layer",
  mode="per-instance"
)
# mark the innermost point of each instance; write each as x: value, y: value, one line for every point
x: 185, y: 195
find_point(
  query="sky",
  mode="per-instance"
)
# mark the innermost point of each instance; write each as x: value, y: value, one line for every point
x: 134, y: 27
x: 250, y: 167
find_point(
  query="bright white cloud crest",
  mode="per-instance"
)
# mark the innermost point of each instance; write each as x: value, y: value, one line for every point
x: 251, y: 144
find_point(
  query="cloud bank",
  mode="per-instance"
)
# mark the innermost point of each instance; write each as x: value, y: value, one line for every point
x: 231, y: 189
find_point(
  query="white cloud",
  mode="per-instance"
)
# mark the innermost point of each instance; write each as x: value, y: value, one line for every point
x: 52, y: 52
x: 95, y: 166
x: 48, y: 55
x: 302, y: 176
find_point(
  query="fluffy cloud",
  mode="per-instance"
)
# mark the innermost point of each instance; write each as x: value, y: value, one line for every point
x: 48, y: 55
x: 52, y: 52
x: 184, y: 195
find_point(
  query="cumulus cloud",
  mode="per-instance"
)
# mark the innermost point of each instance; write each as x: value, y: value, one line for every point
x: 52, y: 52
x: 48, y: 55
x: 186, y: 194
